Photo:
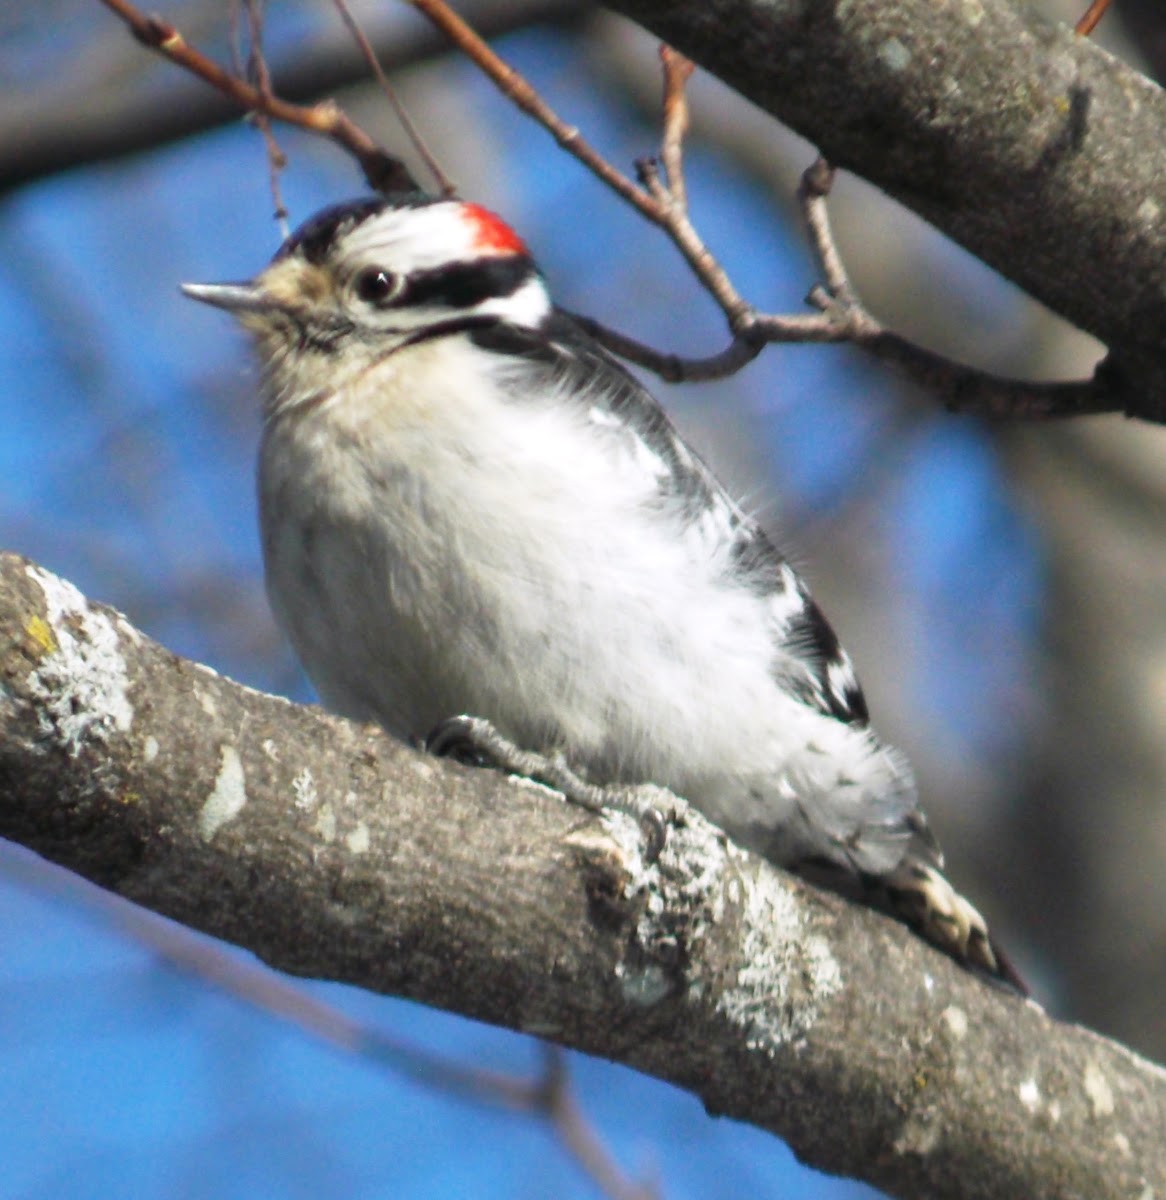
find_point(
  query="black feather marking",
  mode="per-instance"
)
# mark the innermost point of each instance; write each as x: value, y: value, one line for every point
x: 756, y: 557
x: 813, y: 640
x: 572, y: 356
x: 473, y: 325
x: 462, y: 285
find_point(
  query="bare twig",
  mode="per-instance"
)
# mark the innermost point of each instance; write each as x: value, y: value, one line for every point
x: 741, y: 351
x: 1093, y: 15
x: 840, y: 315
x: 965, y: 389
x: 677, y: 70
x: 383, y: 171
x: 236, y: 39
x: 559, y: 1107
x: 973, y: 392
x: 516, y: 88
x: 672, y: 217
x: 816, y: 185
x: 257, y: 70
x: 655, y: 199
x: 444, y: 184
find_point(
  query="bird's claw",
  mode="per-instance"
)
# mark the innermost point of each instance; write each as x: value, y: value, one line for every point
x: 473, y: 741
x: 454, y: 738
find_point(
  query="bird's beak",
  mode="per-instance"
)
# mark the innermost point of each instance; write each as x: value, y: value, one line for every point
x: 234, y: 297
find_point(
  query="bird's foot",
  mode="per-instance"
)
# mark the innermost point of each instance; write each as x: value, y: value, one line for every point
x: 474, y: 741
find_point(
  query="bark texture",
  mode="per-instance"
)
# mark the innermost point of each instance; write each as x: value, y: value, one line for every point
x: 333, y: 852
x: 1033, y: 148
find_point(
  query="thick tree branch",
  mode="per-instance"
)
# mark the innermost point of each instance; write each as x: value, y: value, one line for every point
x: 333, y: 852
x: 545, y: 1095
x: 1027, y: 144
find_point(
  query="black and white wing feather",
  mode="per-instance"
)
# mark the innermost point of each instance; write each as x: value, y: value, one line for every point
x: 808, y: 658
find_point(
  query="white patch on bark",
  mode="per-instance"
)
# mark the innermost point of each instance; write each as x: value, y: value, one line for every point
x: 81, y: 682
x: 643, y: 986
x: 1148, y: 212
x: 956, y: 1021
x: 358, y: 840
x: 700, y: 881
x: 1030, y: 1095
x: 1098, y: 1090
x: 894, y: 55
x: 227, y: 797
x: 918, y: 1137
x: 776, y: 950
x: 304, y: 790
x: 326, y: 822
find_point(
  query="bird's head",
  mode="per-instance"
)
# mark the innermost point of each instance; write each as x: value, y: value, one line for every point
x: 361, y: 280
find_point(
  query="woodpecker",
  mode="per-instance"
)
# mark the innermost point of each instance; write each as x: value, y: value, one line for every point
x: 468, y: 506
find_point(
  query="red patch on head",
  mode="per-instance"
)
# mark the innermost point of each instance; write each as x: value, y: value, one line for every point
x: 490, y: 233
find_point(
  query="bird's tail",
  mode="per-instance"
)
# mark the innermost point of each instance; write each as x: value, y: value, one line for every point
x: 920, y: 896
x: 917, y: 894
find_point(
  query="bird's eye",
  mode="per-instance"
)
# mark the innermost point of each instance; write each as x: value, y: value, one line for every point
x: 375, y: 285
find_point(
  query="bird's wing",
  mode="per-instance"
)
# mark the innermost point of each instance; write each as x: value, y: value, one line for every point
x: 808, y: 656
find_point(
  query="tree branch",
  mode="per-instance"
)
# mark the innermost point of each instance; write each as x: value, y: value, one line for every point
x: 331, y: 851
x: 546, y: 1095
x: 661, y: 197
x: 1025, y: 143
x: 383, y: 171
x: 104, y: 108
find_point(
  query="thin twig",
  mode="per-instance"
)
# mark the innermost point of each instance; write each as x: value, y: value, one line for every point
x: 235, y: 38
x: 1093, y: 15
x: 741, y: 351
x: 677, y: 70
x: 965, y: 389
x: 840, y: 315
x: 518, y: 90
x: 383, y: 171
x: 560, y: 1108
x: 816, y: 184
x: 261, y: 76
x: 973, y: 392
x: 674, y: 220
x: 444, y: 183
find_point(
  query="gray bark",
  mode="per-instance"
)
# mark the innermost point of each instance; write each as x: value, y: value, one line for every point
x: 331, y: 851
x: 1033, y: 148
